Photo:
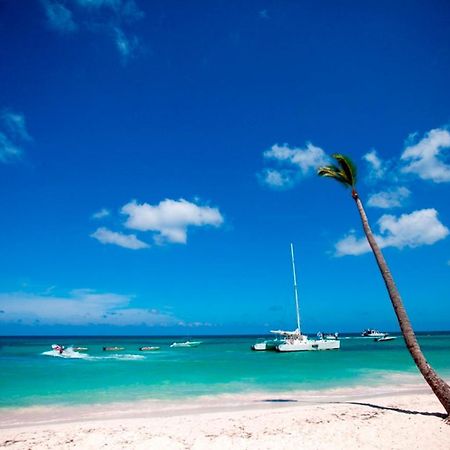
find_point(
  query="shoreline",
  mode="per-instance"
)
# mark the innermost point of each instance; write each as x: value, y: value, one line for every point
x: 401, y: 417
x: 35, y: 415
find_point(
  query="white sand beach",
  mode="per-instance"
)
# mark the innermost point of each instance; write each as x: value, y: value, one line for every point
x: 403, y: 417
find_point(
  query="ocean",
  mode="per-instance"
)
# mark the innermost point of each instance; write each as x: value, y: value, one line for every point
x: 32, y: 374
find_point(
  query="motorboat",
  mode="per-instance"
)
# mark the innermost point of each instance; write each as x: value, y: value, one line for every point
x: 148, y: 349
x: 186, y: 344
x: 80, y: 349
x: 372, y: 333
x: 385, y: 338
x: 328, y: 336
x: 112, y: 349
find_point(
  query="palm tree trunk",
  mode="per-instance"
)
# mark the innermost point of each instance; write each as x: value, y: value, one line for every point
x: 440, y: 388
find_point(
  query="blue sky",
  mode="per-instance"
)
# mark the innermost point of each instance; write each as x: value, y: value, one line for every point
x: 157, y: 158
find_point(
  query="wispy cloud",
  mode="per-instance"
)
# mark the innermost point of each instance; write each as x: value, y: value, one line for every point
x: 109, y: 17
x: 79, y: 307
x: 425, y: 158
x: 391, y: 198
x: 101, y: 214
x: 13, y: 134
x: 293, y: 163
x: 170, y: 219
x: 59, y: 17
x: 376, y: 165
x: 277, y: 178
x: 418, y: 228
x: 130, y: 241
x: 127, y: 46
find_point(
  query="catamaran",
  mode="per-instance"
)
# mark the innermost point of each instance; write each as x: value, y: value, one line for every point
x: 295, y: 341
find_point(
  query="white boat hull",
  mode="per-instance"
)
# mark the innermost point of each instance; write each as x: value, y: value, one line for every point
x: 308, y: 345
x: 265, y: 345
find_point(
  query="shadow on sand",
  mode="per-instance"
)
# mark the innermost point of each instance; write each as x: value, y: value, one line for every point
x: 400, y: 410
x: 279, y: 400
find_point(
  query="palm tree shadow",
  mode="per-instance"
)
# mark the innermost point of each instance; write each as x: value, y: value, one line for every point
x: 400, y: 410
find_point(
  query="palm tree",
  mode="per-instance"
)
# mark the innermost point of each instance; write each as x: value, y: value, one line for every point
x: 345, y: 173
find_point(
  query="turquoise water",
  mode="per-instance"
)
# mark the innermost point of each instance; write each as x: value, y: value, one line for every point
x: 31, y: 375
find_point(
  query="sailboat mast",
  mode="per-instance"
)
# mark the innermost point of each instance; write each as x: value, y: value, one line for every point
x: 295, y: 289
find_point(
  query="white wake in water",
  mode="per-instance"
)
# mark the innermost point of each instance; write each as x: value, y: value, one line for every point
x: 70, y: 353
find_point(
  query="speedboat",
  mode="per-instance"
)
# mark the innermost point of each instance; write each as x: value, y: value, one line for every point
x: 372, y: 333
x: 80, y: 349
x: 112, y: 349
x: 148, y: 349
x: 186, y: 344
x: 328, y: 336
x: 385, y: 338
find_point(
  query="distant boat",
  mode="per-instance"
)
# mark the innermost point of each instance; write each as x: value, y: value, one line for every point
x: 80, y: 349
x: 112, y: 349
x: 385, y: 338
x: 329, y: 336
x: 295, y: 341
x: 372, y: 333
x: 148, y: 349
x: 186, y: 344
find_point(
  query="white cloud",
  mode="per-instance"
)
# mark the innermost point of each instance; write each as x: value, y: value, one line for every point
x: 58, y: 16
x: 130, y: 241
x: 377, y: 167
x: 13, y: 135
x: 421, y: 227
x: 425, y: 158
x: 277, y: 178
x: 305, y: 159
x: 80, y: 307
x: 294, y: 164
x: 389, y: 199
x: 170, y: 218
x: 101, y: 214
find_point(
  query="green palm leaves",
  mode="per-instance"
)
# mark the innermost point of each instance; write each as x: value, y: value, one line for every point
x: 344, y: 172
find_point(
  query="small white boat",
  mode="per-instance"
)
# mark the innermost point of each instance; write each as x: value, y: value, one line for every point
x: 186, y: 344
x: 148, y: 349
x: 328, y: 336
x: 385, y: 338
x: 80, y: 349
x: 372, y: 333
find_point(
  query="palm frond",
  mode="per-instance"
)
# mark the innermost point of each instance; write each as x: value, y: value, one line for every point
x: 348, y: 166
x: 344, y: 173
x: 332, y: 172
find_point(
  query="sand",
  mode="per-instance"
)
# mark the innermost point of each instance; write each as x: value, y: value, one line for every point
x: 403, y: 417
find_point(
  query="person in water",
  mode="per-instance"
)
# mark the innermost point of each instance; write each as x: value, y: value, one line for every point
x: 59, y: 348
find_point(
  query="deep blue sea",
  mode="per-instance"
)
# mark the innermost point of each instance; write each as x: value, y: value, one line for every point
x: 32, y: 374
